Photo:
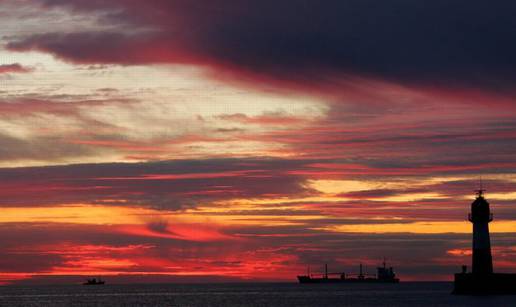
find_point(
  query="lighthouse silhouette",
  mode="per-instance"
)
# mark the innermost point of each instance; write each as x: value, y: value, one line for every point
x: 480, y: 216
x: 482, y: 280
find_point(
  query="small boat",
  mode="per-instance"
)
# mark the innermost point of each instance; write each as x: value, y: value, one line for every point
x: 94, y: 281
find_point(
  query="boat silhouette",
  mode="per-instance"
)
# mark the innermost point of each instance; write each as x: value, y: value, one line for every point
x: 94, y: 281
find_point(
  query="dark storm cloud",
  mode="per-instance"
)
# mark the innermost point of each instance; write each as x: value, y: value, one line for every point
x: 451, y: 43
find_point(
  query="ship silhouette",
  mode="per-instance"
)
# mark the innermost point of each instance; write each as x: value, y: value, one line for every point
x: 94, y: 281
x: 383, y: 275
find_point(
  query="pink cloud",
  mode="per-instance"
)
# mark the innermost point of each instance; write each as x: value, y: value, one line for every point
x: 14, y: 68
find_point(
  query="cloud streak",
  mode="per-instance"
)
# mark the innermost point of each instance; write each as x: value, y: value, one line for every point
x: 13, y: 68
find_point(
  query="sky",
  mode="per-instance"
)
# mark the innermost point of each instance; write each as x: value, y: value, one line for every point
x: 240, y: 140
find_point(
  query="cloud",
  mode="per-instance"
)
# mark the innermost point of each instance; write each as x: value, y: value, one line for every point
x: 277, y: 119
x: 458, y: 44
x: 49, y: 148
x: 168, y: 185
x: 14, y: 68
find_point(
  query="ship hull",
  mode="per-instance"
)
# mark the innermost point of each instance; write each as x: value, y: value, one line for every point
x: 93, y: 284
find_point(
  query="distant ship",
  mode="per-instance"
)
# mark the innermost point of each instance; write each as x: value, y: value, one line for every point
x: 384, y: 275
x: 94, y: 281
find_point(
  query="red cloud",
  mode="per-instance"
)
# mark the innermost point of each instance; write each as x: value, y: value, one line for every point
x: 14, y: 68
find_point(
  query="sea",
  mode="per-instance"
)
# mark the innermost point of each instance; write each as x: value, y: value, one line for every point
x: 247, y: 294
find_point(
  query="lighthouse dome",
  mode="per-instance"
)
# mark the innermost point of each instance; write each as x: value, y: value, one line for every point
x: 480, y: 210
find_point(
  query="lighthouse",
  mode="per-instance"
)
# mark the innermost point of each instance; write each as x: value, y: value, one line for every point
x: 482, y: 280
x: 480, y: 216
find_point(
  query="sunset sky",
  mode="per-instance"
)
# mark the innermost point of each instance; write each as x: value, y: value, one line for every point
x: 226, y: 140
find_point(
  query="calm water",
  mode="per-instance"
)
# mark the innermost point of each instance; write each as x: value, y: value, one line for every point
x: 404, y: 294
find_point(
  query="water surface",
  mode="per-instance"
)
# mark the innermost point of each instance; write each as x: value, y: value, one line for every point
x: 245, y: 294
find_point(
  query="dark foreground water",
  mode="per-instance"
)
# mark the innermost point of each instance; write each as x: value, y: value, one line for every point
x: 265, y: 294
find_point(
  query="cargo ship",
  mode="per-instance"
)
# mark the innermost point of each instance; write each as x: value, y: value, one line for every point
x: 383, y: 275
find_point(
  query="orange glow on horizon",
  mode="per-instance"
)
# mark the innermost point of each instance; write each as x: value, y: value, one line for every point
x: 429, y: 227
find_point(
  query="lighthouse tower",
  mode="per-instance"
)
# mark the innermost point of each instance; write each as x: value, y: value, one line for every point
x: 482, y: 280
x: 480, y: 216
